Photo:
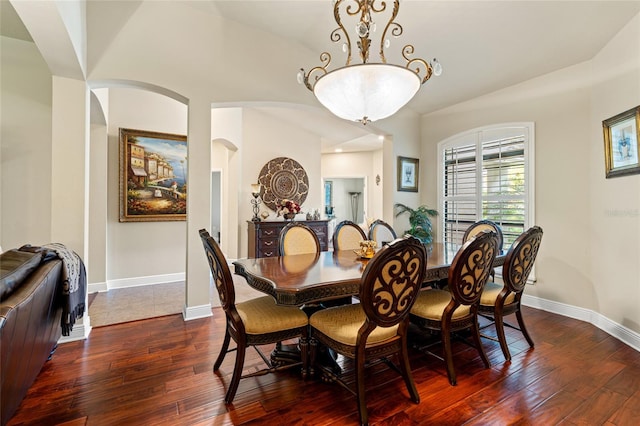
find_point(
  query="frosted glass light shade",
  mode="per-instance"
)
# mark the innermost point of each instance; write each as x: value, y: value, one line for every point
x: 366, y: 92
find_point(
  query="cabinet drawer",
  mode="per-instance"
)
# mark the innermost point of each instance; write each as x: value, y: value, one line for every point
x: 268, y: 252
x: 268, y: 233
x: 268, y: 244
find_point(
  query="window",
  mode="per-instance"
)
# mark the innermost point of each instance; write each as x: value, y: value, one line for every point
x: 487, y: 173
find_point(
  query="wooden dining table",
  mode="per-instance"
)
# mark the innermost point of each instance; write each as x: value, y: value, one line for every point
x: 300, y: 279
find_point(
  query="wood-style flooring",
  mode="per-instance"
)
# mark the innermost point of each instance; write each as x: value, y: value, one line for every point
x: 159, y: 372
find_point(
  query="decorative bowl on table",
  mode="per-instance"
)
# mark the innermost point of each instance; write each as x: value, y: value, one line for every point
x: 367, y: 249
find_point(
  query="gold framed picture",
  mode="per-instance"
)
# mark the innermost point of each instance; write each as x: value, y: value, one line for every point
x: 622, y: 143
x: 408, y: 169
x: 153, y: 176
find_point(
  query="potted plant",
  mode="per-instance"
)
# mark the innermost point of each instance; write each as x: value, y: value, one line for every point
x: 420, y: 221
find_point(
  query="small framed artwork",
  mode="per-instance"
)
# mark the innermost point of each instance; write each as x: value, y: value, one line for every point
x: 622, y: 143
x: 408, y: 174
x: 153, y: 176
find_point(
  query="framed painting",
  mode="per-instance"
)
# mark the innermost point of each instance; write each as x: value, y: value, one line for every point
x: 408, y: 169
x: 622, y: 143
x: 153, y: 176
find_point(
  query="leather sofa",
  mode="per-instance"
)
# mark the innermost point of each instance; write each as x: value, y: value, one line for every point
x: 30, y: 316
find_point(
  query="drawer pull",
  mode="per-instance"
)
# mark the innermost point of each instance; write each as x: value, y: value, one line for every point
x: 269, y: 232
x: 268, y: 243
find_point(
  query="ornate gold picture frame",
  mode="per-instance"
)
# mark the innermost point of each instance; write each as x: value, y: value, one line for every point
x: 622, y: 143
x: 153, y: 176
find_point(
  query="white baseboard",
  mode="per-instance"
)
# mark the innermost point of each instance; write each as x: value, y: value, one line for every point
x: 135, y: 282
x: 194, y: 312
x: 97, y: 287
x: 80, y: 330
x: 612, y: 328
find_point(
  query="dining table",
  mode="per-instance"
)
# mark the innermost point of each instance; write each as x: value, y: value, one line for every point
x: 302, y: 279
x: 315, y: 279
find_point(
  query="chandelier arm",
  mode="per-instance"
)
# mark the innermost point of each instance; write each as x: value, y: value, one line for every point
x: 396, y: 31
x: 318, y: 71
x: 335, y: 34
x: 383, y: 6
x: 420, y: 63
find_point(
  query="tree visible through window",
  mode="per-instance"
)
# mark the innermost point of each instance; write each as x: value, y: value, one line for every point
x: 487, y: 174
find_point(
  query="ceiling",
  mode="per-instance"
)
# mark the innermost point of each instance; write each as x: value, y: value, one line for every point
x: 483, y: 46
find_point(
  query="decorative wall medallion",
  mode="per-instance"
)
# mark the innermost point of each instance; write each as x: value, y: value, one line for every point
x: 283, y: 178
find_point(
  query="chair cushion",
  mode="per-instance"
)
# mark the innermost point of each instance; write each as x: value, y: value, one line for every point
x: 430, y: 304
x: 15, y: 267
x: 349, y: 238
x: 490, y: 293
x: 342, y: 323
x: 262, y: 315
x: 299, y: 241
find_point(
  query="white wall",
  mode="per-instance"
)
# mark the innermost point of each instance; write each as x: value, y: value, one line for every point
x: 266, y: 138
x: 614, y: 204
x: 367, y: 165
x: 25, y: 141
x: 141, y: 249
x: 589, y: 257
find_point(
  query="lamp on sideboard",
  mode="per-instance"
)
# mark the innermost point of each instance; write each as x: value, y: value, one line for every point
x: 256, y: 189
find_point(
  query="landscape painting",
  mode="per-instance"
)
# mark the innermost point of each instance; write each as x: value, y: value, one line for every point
x: 153, y: 176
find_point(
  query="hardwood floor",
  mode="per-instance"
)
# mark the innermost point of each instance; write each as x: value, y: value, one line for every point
x: 159, y: 372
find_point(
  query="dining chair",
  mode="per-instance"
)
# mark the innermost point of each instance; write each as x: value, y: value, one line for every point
x: 375, y: 328
x: 480, y: 226
x: 381, y: 232
x: 297, y: 238
x: 252, y: 323
x: 500, y: 300
x: 456, y: 309
x: 347, y: 236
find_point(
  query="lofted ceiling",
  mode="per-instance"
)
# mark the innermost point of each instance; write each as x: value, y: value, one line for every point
x: 482, y: 45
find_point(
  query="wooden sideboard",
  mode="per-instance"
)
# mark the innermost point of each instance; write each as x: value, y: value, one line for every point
x: 263, y: 236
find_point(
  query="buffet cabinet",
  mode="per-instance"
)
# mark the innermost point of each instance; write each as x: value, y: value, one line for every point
x: 263, y: 236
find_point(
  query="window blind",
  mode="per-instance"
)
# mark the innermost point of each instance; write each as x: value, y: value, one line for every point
x: 485, y: 175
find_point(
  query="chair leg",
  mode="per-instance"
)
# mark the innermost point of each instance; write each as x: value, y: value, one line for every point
x: 237, y: 372
x: 448, y: 356
x: 304, y: 353
x: 476, y: 339
x: 313, y: 350
x: 405, y: 369
x: 223, y: 350
x: 525, y: 333
x: 502, y: 338
x: 362, y: 405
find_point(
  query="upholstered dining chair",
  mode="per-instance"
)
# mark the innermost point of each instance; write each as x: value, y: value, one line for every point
x: 347, y: 236
x: 375, y: 328
x: 499, y: 300
x: 297, y: 238
x: 480, y: 226
x: 252, y: 323
x: 381, y: 232
x: 456, y: 309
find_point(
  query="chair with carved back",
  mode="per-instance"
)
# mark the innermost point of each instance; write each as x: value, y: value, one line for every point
x: 381, y: 232
x: 480, y: 226
x: 347, y: 236
x: 376, y: 328
x: 500, y: 300
x: 252, y: 323
x: 456, y: 309
x: 297, y: 238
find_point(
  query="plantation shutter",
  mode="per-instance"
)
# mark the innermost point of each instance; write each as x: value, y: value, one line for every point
x: 485, y: 175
